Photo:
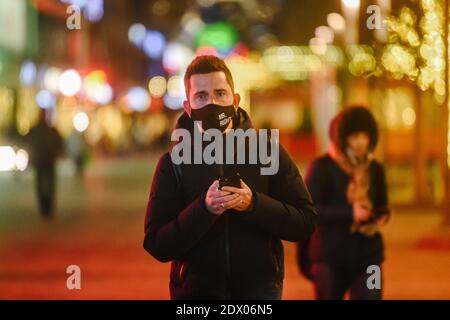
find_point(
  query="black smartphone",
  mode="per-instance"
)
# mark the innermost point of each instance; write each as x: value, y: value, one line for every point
x: 230, y: 181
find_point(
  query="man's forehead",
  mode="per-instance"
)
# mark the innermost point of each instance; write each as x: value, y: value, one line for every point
x: 213, y: 80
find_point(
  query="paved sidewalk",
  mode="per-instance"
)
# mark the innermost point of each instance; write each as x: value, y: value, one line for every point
x: 99, y: 226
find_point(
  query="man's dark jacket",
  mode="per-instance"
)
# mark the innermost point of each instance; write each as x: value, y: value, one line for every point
x: 236, y: 255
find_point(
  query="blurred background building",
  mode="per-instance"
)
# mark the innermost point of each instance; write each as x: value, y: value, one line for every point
x: 118, y: 77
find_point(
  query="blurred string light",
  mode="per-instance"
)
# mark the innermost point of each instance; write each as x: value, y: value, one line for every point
x: 176, y: 93
x: 362, y: 61
x: 398, y: 110
x: 96, y: 87
x: 351, y: 12
x: 153, y: 44
x: 93, y: 80
x: 93, y: 10
x: 26, y: 112
x: 69, y: 83
x: 351, y: 4
x: 81, y: 121
x: 432, y: 49
x: 45, y: 99
x: 11, y: 160
x: 22, y: 160
x: 336, y: 22
x: 175, y: 87
x: 318, y: 46
x: 403, y: 28
x: 51, y: 79
x: 399, y: 61
x: 325, y: 33
x: 6, y: 106
x: 136, y: 34
x: 161, y: 7
x: 409, y: 116
x: 173, y: 103
x: 104, y: 94
x: 295, y: 62
x: 110, y: 123
x: 28, y: 73
x: 176, y: 57
x: 138, y: 99
x: 192, y: 23
x: 7, y: 158
x: 157, y: 86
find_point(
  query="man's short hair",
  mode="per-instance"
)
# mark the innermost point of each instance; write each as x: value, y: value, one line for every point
x: 206, y: 64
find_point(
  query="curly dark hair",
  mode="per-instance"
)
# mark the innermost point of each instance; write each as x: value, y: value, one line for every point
x: 350, y: 120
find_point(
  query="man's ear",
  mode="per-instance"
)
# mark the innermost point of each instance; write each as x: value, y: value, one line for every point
x: 187, y: 107
x: 236, y: 100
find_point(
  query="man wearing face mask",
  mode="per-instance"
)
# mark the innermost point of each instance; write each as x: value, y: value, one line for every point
x: 224, y: 242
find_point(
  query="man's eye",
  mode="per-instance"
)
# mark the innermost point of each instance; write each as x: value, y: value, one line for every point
x: 222, y: 93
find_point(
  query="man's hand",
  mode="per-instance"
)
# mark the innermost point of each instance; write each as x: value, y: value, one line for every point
x: 244, y: 199
x: 360, y: 212
x: 217, y: 201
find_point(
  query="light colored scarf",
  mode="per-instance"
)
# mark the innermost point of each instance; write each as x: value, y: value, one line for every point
x: 358, y: 187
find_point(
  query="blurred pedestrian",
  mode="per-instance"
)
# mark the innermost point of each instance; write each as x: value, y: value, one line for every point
x: 77, y: 149
x: 45, y: 144
x: 348, y: 188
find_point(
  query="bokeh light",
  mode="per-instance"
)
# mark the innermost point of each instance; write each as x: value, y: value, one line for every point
x: 81, y: 121
x: 336, y: 22
x: 136, y: 34
x: 28, y: 73
x: 157, y: 86
x: 45, y: 99
x: 153, y: 44
x: 138, y: 99
x: 69, y: 83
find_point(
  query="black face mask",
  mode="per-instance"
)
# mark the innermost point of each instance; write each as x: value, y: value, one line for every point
x: 214, y: 116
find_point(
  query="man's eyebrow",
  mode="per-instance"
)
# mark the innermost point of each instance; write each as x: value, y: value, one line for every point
x: 200, y: 92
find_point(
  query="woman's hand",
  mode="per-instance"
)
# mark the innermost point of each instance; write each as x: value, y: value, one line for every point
x: 360, y: 212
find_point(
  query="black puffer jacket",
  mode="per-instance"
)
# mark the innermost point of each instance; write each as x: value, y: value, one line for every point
x: 235, y: 255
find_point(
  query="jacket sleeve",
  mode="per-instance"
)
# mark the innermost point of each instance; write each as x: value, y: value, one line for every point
x: 318, y: 182
x: 381, y: 201
x: 287, y: 211
x: 172, y: 229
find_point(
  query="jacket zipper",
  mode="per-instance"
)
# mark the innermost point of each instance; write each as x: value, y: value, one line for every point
x: 227, y: 246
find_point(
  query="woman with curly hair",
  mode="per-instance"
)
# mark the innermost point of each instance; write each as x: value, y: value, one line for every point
x: 348, y: 188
